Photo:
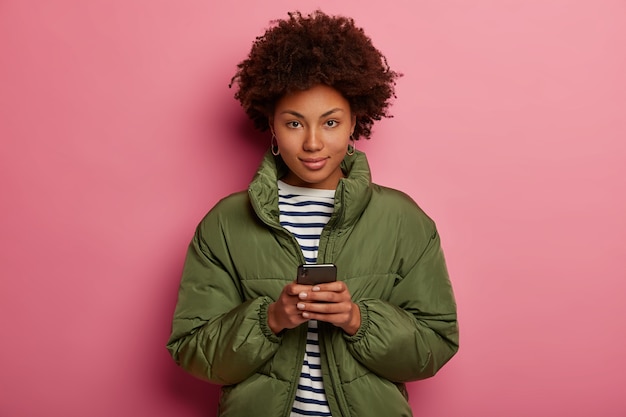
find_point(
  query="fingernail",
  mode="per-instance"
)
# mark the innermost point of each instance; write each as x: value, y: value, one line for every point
x: 302, y: 295
x: 315, y: 289
x: 300, y: 306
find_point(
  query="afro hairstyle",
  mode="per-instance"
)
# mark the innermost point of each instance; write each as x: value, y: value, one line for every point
x: 302, y: 51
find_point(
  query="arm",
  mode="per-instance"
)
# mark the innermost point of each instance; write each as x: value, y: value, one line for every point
x: 216, y: 335
x: 415, y: 333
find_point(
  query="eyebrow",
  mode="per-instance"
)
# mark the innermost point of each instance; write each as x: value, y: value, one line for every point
x: 328, y: 113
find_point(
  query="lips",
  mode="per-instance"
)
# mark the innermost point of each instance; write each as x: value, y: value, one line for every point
x: 314, y: 164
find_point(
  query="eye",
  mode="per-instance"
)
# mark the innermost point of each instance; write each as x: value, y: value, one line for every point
x: 294, y: 124
x: 332, y: 123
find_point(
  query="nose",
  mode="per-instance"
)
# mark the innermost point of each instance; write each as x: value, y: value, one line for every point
x: 313, y: 141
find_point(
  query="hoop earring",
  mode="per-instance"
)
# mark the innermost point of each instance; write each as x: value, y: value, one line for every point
x: 274, y: 146
x: 351, y: 146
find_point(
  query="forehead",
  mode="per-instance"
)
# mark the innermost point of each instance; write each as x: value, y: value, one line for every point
x: 317, y: 99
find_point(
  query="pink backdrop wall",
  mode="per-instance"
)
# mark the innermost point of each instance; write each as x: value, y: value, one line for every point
x: 118, y: 132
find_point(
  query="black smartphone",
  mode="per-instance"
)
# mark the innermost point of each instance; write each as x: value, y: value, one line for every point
x: 312, y: 274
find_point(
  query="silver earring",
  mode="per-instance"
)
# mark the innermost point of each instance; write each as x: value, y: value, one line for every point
x: 351, y: 146
x: 274, y: 146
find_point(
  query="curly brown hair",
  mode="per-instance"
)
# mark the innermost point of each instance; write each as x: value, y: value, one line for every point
x: 302, y: 51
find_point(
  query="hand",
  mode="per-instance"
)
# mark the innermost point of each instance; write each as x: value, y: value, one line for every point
x: 332, y: 303
x: 283, y: 313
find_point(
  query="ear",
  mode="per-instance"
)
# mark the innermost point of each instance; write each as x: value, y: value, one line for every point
x: 352, y: 124
x: 270, y: 124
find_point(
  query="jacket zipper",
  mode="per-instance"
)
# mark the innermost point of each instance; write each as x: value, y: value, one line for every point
x: 327, y: 250
x: 335, y: 385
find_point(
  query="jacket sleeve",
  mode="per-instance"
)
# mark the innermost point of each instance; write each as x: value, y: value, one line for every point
x: 413, y: 334
x: 216, y: 335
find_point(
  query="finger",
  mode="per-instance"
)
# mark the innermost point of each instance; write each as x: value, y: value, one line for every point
x: 325, y: 296
x: 324, y: 308
x: 337, y: 286
x: 320, y: 297
x: 335, y: 319
x: 295, y: 289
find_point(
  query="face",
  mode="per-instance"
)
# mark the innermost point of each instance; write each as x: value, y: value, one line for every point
x: 313, y: 129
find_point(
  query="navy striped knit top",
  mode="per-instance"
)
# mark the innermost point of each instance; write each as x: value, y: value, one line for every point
x: 304, y: 212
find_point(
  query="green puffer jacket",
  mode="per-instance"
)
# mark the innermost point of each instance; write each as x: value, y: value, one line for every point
x: 388, y: 253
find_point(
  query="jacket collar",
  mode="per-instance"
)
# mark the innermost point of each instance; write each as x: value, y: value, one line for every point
x: 351, y: 197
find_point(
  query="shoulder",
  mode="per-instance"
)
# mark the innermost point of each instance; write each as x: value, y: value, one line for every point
x: 393, y: 203
x: 231, y: 209
x: 234, y: 201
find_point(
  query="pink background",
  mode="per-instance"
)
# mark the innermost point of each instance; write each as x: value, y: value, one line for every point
x: 119, y: 132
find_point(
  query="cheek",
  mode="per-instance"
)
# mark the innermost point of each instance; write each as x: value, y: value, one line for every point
x: 287, y: 144
x: 340, y: 142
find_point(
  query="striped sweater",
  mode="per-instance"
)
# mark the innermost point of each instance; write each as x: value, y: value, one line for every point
x: 304, y: 212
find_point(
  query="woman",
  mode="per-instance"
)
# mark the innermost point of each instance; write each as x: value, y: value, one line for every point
x: 342, y: 348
